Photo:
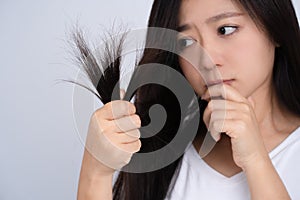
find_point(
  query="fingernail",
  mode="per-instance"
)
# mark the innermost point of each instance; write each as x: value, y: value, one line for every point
x: 122, y: 93
x: 216, y: 136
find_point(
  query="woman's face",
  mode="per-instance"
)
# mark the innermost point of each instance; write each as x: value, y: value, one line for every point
x: 242, y: 52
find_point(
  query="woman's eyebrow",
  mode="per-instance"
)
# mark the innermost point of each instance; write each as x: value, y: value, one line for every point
x: 183, y: 27
x: 213, y: 19
x: 223, y: 16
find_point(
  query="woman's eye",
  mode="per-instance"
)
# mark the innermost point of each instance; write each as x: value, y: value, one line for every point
x: 227, y: 30
x: 185, y: 42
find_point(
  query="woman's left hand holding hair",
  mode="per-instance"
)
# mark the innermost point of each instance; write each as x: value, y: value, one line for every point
x: 230, y: 113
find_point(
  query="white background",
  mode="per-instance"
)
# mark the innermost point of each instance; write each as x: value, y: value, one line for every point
x: 40, y: 149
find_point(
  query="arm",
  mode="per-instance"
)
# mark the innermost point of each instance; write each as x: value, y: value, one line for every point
x: 93, y: 186
x: 264, y: 181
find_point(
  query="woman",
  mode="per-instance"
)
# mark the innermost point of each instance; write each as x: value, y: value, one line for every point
x: 254, y: 45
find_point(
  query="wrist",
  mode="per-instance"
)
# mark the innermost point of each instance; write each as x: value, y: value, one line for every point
x: 95, y: 175
x: 264, y: 181
x: 93, y: 186
x: 95, y: 180
x: 94, y: 168
x: 257, y: 162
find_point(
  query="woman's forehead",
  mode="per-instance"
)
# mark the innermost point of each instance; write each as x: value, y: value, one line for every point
x: 201, y: 10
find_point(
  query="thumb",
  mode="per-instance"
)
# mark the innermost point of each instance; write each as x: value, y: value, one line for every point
x: 122, y: 94
x: 251, y: 100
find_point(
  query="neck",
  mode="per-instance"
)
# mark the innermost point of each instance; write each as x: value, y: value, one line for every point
x: 272, y: 118
x: 265, y: 106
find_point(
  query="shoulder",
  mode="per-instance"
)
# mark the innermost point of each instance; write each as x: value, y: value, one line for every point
x: 286, y: 160
x: 290, y: 146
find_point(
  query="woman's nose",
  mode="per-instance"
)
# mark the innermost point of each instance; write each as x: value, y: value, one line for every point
x: 210, y: 60
x: 212, y: 54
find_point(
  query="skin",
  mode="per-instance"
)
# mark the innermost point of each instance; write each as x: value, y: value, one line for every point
x: 249, y: 114
x: 113, y: 131
x: 255, y: 123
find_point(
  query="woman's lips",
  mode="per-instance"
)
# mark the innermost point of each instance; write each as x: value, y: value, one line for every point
x: 225, y: 81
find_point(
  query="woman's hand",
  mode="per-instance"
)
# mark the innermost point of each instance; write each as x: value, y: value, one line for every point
x: 113, y: 136
x: 234, y: 115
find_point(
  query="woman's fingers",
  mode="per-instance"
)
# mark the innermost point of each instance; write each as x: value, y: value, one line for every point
x: 134, y: 133
x: 218, y: 120
x: 232, y: 127
x: 225, y: 92
x: 114, y: 134
x: 122, y: 138
x: 132, y: 147
x: 223, y: 126
x: 123, y: 124
x: 211, y: 106
x: 116, y: 109
x: 225, y: 103
x: 219, y: 109
x: 230, y: 113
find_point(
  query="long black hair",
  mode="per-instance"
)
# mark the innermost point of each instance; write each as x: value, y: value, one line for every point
x: 276, y: 17
x: 154, y: 185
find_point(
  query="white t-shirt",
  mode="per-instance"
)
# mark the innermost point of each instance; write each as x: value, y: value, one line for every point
x: 197, y: 180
